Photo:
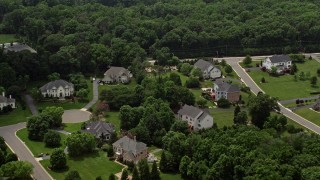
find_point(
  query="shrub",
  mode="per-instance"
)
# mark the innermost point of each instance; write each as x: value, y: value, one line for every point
x: 193, y: 82
x: 292, y: 130
x: 58, y: 159
x: 263, y: 80
x: 223, y: 103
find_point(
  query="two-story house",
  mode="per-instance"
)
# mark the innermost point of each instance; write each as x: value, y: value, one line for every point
x: 58, y: 88
x: 281, y: 62
x: 197, y: 119
x: 209, y: 71
x: 100, y: 129
x: 4, y: 101
x: 117, y: 75
x: 130, y: 149
x: 231, y: 92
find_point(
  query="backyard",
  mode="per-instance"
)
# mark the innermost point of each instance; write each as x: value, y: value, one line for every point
x: 7, y: 38
x: 16, y: 116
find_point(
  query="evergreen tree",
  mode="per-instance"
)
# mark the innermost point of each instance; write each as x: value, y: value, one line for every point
x: 144, y: 169
x: 236, y: 111
x: 135, y: 174
x: 154, y: 172
x: 124, y: 175
x: 112, y: 177
x: 163, y: 162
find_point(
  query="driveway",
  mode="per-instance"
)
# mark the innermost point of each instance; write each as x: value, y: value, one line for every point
x: 8, y: 133
x: 31, y: 104
x: 75, y: 116
x: 255, y: 89
x: 95, y: 95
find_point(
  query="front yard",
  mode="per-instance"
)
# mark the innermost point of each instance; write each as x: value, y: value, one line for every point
x: 16, y: 116
x: 89, y: 166
x: 309, y: 114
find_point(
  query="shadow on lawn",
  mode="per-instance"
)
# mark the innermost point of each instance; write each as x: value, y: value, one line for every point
x: 81, y: 158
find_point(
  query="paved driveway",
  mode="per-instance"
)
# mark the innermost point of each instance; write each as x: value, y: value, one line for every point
x: 8, y: 133
x: 255, y: 89
x: 95, y: 95
x: 75, y: 116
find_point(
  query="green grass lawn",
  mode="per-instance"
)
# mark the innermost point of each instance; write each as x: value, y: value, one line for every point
x: 7, y: 38
x: 285, y: 87
x: 66, y: 105
x: 16, y: 116
x: 252, y: 64
x: 89, y: 167
x: 72, y: 127
x: 222, y: 117
x: 165, y: 176
x: 37, y: 147
x: 309, y: 114
x: 113, y: 117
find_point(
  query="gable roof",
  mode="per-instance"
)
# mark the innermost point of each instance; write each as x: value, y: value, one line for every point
x: 280, y: 58
x: 190, y: 111
x: 116, y: 71
x: 4, y: 99
x: 203, y: 65
x: 99, y: 127
x: 226, y: 87
x: 56, y: 84
x: 130, y: 145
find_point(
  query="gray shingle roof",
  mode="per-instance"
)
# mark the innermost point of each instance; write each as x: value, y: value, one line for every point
x: 4, y: 99
x: 279, y: 58
x: 202, y: 64
x: 224, y: 86
x: 130, y: 145
x: 116, y: 71
x: 55, y: 84
x: 99, y: 127
x: 190, y: 111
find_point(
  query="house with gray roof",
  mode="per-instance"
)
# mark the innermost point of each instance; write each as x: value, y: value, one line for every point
x: 4, y: 101
x: 130, y: 149
x: 231, y: 92
x: 281, y: 62
x: 117, y: 75
x: 196, y: 118
x: 100, y: 129
x: 209, y: 71
x: 58, y: 88
x: 16, y: 47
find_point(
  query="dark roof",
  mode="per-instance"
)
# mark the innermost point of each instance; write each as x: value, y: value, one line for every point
x: 203, y: 65
x: 4, y: 99
x: 116, y: 71
x: 55, y: 84
x: 190, y: 111
x: 224, y: 86
x: 99, y: 127
x: 279, y: 58
x: 130, y: 145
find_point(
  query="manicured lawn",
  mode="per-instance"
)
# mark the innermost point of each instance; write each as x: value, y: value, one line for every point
x: 252, y: 64
x: 165, y: 176
x: 37, y: 147
x: 222, y: 117
x: 285, y: 87
x: 89, y: 167
x: 72, y: 127
x: 7, y: 38
x: 309, y: 115
x: 113, y: 117
x: 66, y: 105
x: 16, y: 116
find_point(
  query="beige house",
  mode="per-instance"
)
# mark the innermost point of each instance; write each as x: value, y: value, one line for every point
x: 117, y: 75
x: 58, y: 88
x: 4, y: 101
x: 130, y: 149
x: 197, y: 119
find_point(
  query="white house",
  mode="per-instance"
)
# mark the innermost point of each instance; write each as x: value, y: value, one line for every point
x: 231, y: 92
x: 281, y: 62
x: 117, y: 74
x: 4, y: 101
x: 197, y: 119
x: 58, y: 88
x: 208, y: 69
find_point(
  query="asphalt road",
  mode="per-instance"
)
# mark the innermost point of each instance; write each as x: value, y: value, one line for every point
x: 255, y: 89
x: 9, y: 134
x: 95, y: 95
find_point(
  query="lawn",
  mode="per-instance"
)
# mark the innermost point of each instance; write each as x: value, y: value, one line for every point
x: 131, y: 85
x: 285, y: 87
x: 37, y: 147
x: 309, y: 115
x: 66, y: 105
x: 89, y: 167
x: 252, y: 64
x: 72, y: 127
x: 165, y: 176
x: 16, y: 116
x: 222, y: 117
x: 113, y: 117
x: 7, y: 38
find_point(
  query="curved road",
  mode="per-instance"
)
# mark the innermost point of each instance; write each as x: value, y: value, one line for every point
x: 234, y: 63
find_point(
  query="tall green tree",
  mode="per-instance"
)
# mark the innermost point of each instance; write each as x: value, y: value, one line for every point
x: 144, y: 169
x: 154, y: 172
x: 124, y: 175
x: 58, y: 159
x: 135, y: 174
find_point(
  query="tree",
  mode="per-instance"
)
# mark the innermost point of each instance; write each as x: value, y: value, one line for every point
x: 223, y: 63
x: 186, y: 69
x: 263, y: 80
x: 193, y: 82
x: 313, y: 81
x: 202, y: 103
x: 241, y: 118
x: 82, y: 93
x: 197, y: 73
x: 223, y: 103
x: 228, y: 69
x: 236, y: 111
x: 11, y: 157
x: 183, y: 168
x: 7, y: 75
x: 144, y: 169
x: 180, y: 126
x: 112, y: 177
x: 293, y: 69
x: 58, y: 159
x: 174, y: 77
x: 56, y: 114
x: 274, y: 71
x: 163, y: 166
x: 54, y: 76
x: 124, y: 175
x: 2, y: 158
x: 154, y: 175
x: 16, y: 170
x: 3, y: 146
x: 80, y: 143
x: 247, y: 60
x: 52, y: 139
x: 260, y: 108
x: 37, y: 128
x: 135, y: 174
x: 302, y: 76
x: 311, y: 173
x: 72, y: 175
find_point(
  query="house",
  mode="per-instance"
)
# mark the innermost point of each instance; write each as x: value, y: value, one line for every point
x: 208, y: 69
x: 281, y: 62
x: 197, y: 119
x: 130, y: 149
x: 100, y: 129
x: 117, y: 74
x: 58, y: 88
x: 4, y: 101
x: 231, y: 92
x: 16, y: 47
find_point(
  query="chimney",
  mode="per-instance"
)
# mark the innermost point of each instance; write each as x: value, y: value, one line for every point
x: 135, y: 138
